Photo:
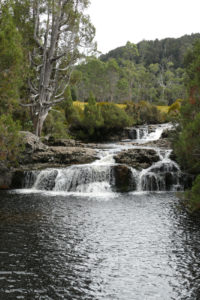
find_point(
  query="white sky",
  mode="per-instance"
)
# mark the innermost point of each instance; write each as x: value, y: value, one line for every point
x: 119, y: 21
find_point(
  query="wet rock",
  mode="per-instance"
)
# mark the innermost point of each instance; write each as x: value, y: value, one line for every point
x: 161, y: 143
x: 165, y: 167
x: 130, y: 133
x: 137, y: 158
x: 65, y: 156
x: 48, y: 182
x: 167, y: 133
x: 173, y: 156
x: 5, y: 176
x: 51, y: 141
x: 17, y: 179
x: 150, y: 183
x: 37, y: 155
x: 123, y: 179
x: 170, y: 180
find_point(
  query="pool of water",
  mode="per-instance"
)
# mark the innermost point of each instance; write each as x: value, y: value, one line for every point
x: 124, y: 247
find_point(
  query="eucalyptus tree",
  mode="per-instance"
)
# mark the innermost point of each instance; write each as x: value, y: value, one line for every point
x: 112, y: 77
x: 61, y: 35
x: 93, y: 79
x: 11, y: 61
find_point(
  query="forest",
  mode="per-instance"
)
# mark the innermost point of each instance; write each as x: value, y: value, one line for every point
x: 45, y: 74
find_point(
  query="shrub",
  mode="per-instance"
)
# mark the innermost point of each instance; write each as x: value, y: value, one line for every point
x: 187, y: 143
x: 144, y: 113
x: 99, y: 120
x: 10, y: 139
x: 56, y: 125
x: 193, y: 196
x: 114, y: 117
x: 174, y: 109
x: 92, y: 120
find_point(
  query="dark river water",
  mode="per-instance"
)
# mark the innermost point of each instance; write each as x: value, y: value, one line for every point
x: 126, y: 247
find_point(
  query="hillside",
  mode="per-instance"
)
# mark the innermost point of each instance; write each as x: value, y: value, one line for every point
x: 151, y: 70
x: 151, y: 52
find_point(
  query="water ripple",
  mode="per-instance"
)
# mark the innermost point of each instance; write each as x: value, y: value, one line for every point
x: 134, y: 246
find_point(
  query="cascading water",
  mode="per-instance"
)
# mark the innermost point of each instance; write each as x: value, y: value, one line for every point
x: 99, y: 176
x: 165, y: 175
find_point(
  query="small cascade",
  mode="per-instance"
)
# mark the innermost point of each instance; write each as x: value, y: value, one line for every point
x: 94, y: 177
x: 146, y: 133
x: 104, y: 175
x: 29, y: 179
x: 138, y: 133
x: 164, y: 175
x: 84, y: 179
x: 142, y: 132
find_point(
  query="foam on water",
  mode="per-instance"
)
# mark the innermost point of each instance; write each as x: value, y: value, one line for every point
x: 97, y: 178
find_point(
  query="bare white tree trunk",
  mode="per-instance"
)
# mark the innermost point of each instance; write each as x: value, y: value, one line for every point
x: 59, y: 33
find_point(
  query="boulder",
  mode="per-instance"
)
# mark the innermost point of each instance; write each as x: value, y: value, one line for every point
x: 32, y: 142
x: 137, y: 158
x: 167, y: 133
x: 124, y: 180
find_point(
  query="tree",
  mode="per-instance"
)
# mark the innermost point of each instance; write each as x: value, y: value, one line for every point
x: 187, y: 141
x: 92, y: 120
x: 11, y: 62
x: 60, y: 31
x: 93, y: 79
x: 10, y: 139
x: 112, y: 72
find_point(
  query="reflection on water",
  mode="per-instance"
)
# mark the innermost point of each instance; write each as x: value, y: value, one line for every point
x: 129, y: 247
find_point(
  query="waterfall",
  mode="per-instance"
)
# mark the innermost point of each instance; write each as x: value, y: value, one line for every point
x: 165, y: 175
x: 143, y: 133
x: 100, y: 176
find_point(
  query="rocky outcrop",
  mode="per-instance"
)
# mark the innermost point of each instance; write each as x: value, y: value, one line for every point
x: 123, y: 179
x: 67, y: 152
x: 167, y: 133
x: 161, y: 143
x: 36, y: 155
x: 64, y: 156
x: 32, y: 142
x: 137, y: 158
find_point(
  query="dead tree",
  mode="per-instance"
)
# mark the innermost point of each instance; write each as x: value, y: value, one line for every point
x: 61, y: 33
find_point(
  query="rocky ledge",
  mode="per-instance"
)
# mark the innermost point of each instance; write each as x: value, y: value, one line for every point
x: 137, y: 158
x: 37, y: 155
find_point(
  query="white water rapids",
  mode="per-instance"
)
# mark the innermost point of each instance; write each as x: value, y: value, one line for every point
x: 98, y: 178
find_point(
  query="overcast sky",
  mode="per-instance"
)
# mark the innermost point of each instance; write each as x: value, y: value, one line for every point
x: 119, y: 21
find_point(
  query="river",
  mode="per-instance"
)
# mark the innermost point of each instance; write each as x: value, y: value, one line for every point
x: 92, y: 243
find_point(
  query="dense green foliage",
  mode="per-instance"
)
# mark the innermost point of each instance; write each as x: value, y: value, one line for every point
x: 10, y: 139
x: 151, y: 71
x: 187, y: 142
x: 98, y: 120
x: 11, y: 63
x: 153, y: 52
x: 142, y: 75
x: 56, y: 125
x: 193, y: 196
x: 145, y: 113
